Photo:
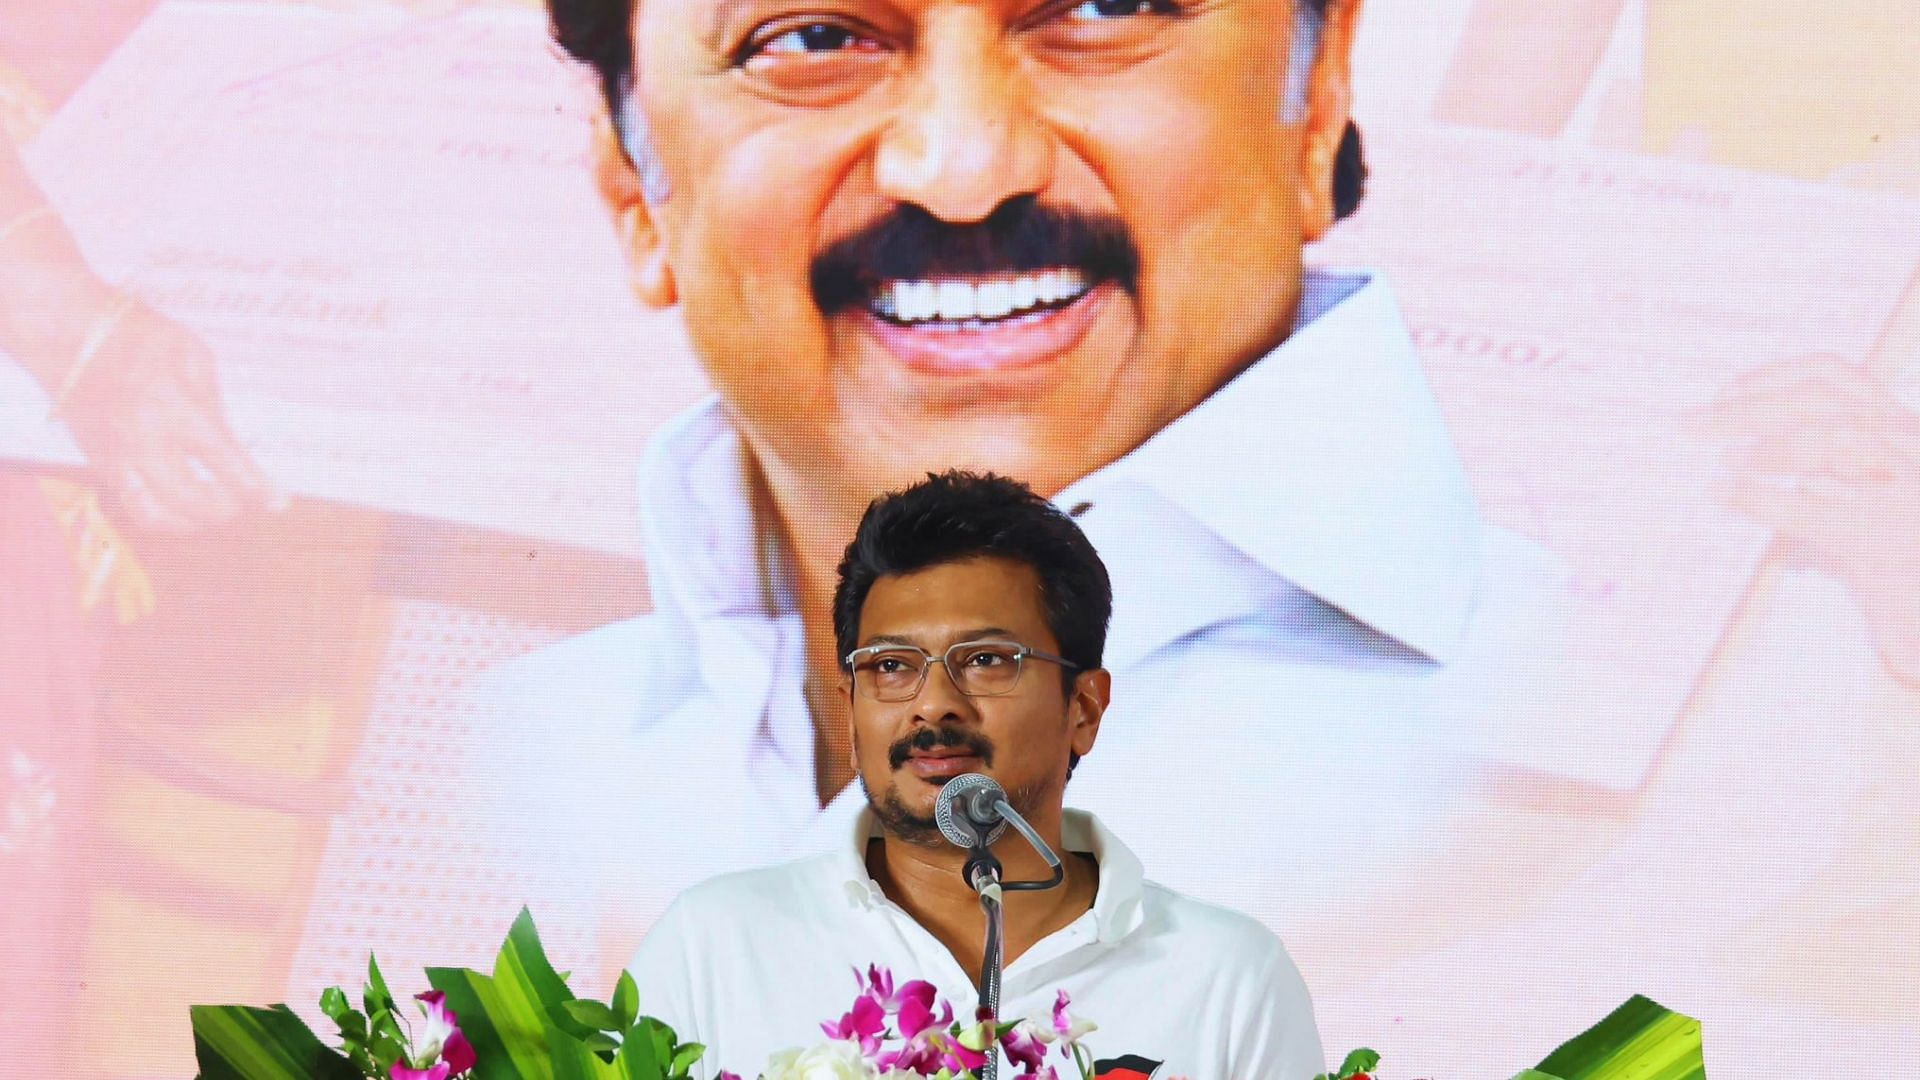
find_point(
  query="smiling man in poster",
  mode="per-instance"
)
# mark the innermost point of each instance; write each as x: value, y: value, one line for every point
x: 1062, y: 242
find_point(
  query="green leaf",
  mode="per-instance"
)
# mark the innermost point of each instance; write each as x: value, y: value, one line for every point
x: 333, y: 1002
x: 626, y: 1000
x: 385, y: 1049
x: 506, y: 1016
x: 1641, y: 1039
x: 377, y: 998
x: 1360, y: 1061
x: 353, y: 1027
x: 663, y: 1039
x: 591, y: 1013
x: 384, y: 1040
x: 684, y: 1058
x: 507, y: 1029
x: 640, y: 1057
x: 573, y: 1060
x: 600, y: 1042
x: 232, y: 1042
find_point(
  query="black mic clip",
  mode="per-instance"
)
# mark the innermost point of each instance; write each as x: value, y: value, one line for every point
x: 982, y: 870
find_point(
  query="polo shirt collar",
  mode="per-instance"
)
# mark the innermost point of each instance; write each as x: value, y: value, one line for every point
x: 1117, y: 908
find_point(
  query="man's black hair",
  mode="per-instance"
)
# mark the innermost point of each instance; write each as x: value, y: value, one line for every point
x: 599, y: 33
x: 954, y: 516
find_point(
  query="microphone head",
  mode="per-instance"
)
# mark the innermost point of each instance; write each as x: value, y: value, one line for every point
x: 954, y: 814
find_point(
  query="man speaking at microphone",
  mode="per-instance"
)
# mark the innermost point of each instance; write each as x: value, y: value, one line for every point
x: 970, y: 617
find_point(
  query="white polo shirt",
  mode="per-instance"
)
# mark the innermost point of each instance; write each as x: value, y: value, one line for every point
x: 751, y: 963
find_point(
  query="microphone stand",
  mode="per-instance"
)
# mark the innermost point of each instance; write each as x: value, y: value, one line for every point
x: 982, y: 872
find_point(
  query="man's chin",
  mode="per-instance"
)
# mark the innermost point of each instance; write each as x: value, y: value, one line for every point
x: 903, y: 822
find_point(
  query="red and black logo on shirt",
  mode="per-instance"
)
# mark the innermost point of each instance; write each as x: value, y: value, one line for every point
x: 1125, y: 1067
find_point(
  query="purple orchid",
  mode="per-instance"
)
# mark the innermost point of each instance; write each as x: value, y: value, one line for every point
x: 920, y: 1057
x: 442, y: 1050
x: 1065, y: 1026
x: 923, y: 1021
x: 877, y: 985
x: 1026, y: 1045
x: 920, y: 1054
x: 959, y: 1057
x: 918, y: 1016
x: 864, y: 1024
x: 904, y: 1030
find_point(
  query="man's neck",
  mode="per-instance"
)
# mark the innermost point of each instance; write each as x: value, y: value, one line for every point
x: 926, y: 883
x: 810, y: 535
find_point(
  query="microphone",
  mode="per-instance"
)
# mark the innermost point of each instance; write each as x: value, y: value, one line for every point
x: 969, y: 811
x: 973, y: 811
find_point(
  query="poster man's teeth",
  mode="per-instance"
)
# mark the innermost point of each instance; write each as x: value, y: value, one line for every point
x: 996, y: 298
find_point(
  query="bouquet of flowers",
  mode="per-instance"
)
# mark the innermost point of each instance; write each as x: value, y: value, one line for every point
x: 522, y: 1022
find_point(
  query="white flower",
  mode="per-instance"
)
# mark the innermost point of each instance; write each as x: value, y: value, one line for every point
x: 835, y: 1060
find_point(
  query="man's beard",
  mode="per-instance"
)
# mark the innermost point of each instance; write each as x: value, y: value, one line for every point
x: 898, y: 819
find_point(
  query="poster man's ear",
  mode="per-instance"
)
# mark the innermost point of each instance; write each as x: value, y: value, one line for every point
x: 1327, y: 136
x: 623, y: 192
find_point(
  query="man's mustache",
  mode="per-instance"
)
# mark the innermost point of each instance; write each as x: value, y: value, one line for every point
x: 1021, y: 235
x: 939, y: 737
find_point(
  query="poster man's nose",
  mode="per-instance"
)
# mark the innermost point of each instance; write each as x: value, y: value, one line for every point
x: 965, y: 138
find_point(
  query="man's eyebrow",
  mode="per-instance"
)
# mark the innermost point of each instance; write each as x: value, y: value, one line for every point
x: 978, y: 633
x: 726, y: 14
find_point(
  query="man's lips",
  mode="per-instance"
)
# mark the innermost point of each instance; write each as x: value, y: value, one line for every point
x: 942, y: 763
x: 996, y: 324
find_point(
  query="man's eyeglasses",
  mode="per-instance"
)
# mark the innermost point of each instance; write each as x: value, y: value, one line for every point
x: 977, y: 668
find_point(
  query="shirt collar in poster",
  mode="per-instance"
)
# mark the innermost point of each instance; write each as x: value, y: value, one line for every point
x: 1326, y: 464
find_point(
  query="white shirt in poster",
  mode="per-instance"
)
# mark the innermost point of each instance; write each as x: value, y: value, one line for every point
x: 1318, y: 651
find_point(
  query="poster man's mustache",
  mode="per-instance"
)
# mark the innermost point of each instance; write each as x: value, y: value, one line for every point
x: 909, y: 244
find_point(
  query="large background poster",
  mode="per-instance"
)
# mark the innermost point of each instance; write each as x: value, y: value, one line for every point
x: 338, y: 608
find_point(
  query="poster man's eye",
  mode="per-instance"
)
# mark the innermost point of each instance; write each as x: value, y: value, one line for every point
x: 812, y: 38
x: 1095, y: 10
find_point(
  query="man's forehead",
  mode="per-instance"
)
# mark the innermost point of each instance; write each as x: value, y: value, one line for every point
x: 935, y: 639
x: 952, y: 601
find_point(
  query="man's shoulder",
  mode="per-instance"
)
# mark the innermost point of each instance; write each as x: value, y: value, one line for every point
x: 790, y: 890
x: 1228, y: 940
